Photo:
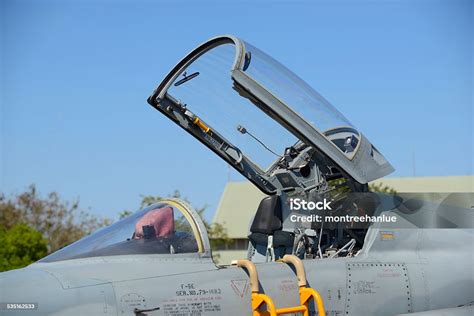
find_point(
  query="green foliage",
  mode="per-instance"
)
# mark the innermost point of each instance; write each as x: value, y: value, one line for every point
x: 340, y: 186
x: 60, y: 223
x: 381, y: 188
x: 124, y: 214
x: 20, y: 246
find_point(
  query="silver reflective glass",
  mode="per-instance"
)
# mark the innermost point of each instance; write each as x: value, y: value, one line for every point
x: 302, y: 99
x: 210, y: 95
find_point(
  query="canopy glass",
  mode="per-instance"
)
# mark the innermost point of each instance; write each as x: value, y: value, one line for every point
x: 163, y: 228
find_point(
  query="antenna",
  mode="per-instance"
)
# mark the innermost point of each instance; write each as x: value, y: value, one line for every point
x: 243, y: 130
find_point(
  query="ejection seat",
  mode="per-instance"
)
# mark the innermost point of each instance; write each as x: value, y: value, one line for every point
x: 156, y: 223
x: 267, y: 238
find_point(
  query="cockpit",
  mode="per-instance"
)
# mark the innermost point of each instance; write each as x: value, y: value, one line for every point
x: 169, y: 227
x: 278, y: 132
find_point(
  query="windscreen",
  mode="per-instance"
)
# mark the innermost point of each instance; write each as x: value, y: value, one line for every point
x: 302, y: 99
x: 159, y: 229
x: 207, y: 90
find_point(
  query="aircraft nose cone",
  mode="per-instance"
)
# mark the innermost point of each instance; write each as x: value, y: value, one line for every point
x: 29, y: 288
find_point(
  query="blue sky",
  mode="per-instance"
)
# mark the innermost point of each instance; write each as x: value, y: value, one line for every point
x: 75, y: 76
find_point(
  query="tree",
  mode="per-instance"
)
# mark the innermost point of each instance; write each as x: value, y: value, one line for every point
x: 59, y: 222
x: 20, y: 246
x: 339, y: 186
x: 381, y: 188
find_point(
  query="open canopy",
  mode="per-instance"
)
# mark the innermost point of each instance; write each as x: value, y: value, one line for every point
x: 249, y: 108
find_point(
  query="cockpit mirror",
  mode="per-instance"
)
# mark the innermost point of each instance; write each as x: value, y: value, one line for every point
x: 186, y: 78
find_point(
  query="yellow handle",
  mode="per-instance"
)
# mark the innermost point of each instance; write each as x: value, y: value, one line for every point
x: 306, y: 294
x: 201, y: 124
x: 258, y: 299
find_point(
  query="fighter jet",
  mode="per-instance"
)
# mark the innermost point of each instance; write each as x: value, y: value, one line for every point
x: 320, y: 243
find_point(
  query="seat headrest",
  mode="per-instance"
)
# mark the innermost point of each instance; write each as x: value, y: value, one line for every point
x: 161, y: 219
x: 268, y: 217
